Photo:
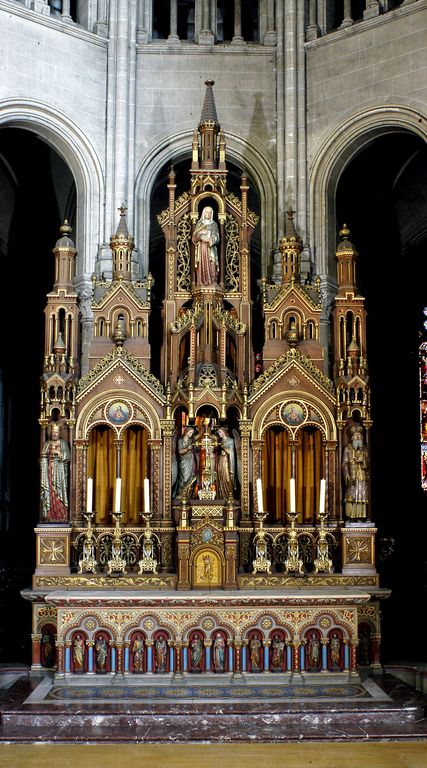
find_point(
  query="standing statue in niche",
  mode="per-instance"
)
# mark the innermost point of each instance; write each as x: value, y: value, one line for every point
x: 335, y: 649
x: 196, y: 651
x: 54, y: 466
x: 205, y: 239
x: 101, y: 654
x: 161, y: 649
x: 355, y: 470
x: 187, y: 470
x: 138, y: 654
x: 78, y: 653
x: 277, y: 654
x: 219, y: 653
x: 313, y: 653
x: 226, y: 465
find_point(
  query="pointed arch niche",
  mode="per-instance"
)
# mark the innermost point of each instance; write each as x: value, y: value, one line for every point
x: 156, y: 262
x: 283, y: 458
x: 129, y: 459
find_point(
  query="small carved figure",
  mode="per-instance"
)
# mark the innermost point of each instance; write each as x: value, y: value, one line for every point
x: 255, y: 650
x: 78, y: 653
x: 219, y: 653
x: 196, y: 651
x: 335, y: 649
x: 313, y: 653
x: 101, y: 654
x: 161, y: 647
x: 138, y: 654
x: 48, y: 653
x: 277, y: 654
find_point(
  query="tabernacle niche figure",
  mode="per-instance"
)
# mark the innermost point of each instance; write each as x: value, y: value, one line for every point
x: 277, y: 654
x: 313, y: 653
x: 78, y: 653
x: 205, y: 238
x: 161, y: 648
x: 255, y: 654
x: 101, y: 654
x: 219, y: 653
x: 335, y: 649
x: 186, y: 459
x: 226, y: 465
x: 355, y: 470
x: 54, y: 466
x: 137, y: 654
x: 196, y: 650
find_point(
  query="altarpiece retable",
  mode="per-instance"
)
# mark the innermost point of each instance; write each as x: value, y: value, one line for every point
x: 216, y: 517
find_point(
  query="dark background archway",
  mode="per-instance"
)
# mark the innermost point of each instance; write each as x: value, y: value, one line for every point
x: 382, y: 197
x: 37, y: 192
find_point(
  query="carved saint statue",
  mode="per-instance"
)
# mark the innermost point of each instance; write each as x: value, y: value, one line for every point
x: 54, y: 466
x: 205, y: 238
x: 226, y: 465
x: 219, y: 653
x: 355, y: 471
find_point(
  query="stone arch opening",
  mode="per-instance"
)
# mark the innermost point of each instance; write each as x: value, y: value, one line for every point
x: 39, y: 193
x: 381, y: 194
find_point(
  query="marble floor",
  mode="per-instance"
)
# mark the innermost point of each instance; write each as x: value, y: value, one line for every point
x: 385, y: 710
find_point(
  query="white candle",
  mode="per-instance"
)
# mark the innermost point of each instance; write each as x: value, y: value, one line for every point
x: 146, y: 495
x: 259, y: 495
x: 118, y: 494
x: 322, y: 496
x: 292, y: 504
x: 89, y: 494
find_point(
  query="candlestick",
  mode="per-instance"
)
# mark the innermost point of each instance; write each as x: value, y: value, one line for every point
x: 118, y: 494
x: 89, y: 494
x: 322, y: 496
x: 259, y: 495
x: 146, y: 495
x: 292, y: 496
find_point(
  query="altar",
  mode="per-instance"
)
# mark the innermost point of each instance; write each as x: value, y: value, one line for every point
x: 212, y: 516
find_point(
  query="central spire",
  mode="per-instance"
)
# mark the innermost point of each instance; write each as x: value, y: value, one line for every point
x: 209, y: 128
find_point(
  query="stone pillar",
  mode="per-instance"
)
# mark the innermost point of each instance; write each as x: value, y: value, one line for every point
x: 347, y: 19
x: 149, y: 646
x: 296, y: 656
x: 119, y: 658
x: 270, y: 33
x: 313, y: 30
x: 36, y: 651
x: 208, y: 646
x: 60, y: 658
x: 324, y: 644
x: 238, y: 657
x: 373, y: 8
x: 266, y: 644
x: 237, y: 37
x: 126, y: 658
x: 178, y: 658
x: 65, y: 13
x: 90, y: 667
x: 173, y: 34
